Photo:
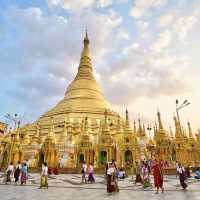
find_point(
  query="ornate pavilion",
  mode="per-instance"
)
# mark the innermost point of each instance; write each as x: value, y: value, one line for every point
x: 83, y: 127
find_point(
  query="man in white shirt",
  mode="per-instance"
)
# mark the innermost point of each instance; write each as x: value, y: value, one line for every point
x: 44, y: 174
x: 9, y: 172
x: 182, y: 176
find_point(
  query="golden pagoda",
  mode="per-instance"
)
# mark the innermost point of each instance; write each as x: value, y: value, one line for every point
x: 83, y: 127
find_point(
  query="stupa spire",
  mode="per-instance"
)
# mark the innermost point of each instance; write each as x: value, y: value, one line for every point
x: 160, y: 126
x: 171, y: 132
x: 127, y: 114
x: 86, y: 39
x: 127, y: 117
x: 134, y: 125
x: 190, y: 130
x: 178, y: 133
x: 85, y: 66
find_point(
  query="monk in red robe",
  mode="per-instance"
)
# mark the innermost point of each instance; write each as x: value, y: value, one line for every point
x: 158, y: 176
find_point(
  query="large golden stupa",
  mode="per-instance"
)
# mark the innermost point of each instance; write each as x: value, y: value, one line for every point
x: 83, y: 127
x: 83, y: 96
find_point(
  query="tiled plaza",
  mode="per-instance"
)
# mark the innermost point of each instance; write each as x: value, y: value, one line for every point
x: 62, y: 187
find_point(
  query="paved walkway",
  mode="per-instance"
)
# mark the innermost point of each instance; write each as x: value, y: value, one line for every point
x: 63, y: 187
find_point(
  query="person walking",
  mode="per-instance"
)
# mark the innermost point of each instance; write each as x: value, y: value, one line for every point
x: 145, y: 175
x: 24, y: 173
x: 44, y: 176
x: 138, y: 178
x: 112, y: 185
x: 17, y: 171
x: 158, y: 176
x: 182, y: 176
x: 9, y: 172
x: 84, y: 171
x: 91, y: 174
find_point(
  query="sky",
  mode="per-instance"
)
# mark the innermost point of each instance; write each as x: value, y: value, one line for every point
x: 145, y: 55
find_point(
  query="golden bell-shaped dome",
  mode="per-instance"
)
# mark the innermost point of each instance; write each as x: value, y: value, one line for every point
x: 83, y: 95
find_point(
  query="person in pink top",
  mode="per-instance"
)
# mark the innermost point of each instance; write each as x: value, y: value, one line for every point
x: 91, y: 174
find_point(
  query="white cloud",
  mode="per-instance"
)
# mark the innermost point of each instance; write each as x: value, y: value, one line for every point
x: 166, y: 20
x: 137, y: 12
x: 105, y: 3
x: 152, y: 69
x: 162, y: 42
x: 71, y: 5
x: 183, y: 25
x: 54, y: 45
x: 142, y: 25
x: 149, y: 3
x: 141, y: 7
x: 133, y: 47
x: 77, y: 5
x: 123, y: 34
x: 179, y: 23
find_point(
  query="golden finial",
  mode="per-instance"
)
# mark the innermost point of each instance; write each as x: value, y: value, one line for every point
x: 127, y: 115
x: 160, y: 126
x: 86, y: 39
x: 190, y: 130
x: 134, y: 124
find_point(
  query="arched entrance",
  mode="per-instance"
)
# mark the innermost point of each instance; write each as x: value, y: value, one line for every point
x: 173, y: 155
x: 81, y: 158
x: 41, y: 158
x: 103, y: 157
x: 128, y: 157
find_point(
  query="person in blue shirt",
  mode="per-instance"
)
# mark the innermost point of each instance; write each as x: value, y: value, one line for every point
x: 24, y: 173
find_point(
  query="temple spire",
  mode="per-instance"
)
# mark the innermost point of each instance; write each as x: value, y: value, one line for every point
x: 127, y: 118
x: 160, y: 126
x: 126, y: 114
x: 134, y: 127
x: 86, y: 39
x: 178, y: 133
x: 85, y: 66
x: 190, y: 130
x: 171, y: 132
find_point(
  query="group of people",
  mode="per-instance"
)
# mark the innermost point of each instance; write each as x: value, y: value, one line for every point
x: 20, y: 172
x: 142, y: 171
x: 143, y: 174
x: 157, y: 168
x: 90, y: 170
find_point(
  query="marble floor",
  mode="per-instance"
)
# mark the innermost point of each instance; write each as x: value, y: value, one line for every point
x: 64, y: 187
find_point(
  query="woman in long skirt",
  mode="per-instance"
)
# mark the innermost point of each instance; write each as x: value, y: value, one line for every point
x: 17, y: 171
x: 112, y: 185
x: 44, y: 174
x: 182, y: 176
x: 158, y: 176
x: 115, y: 174
x: 138, y: 178
x: 9, y: 172
x: 145, y: 176
x: 91, y: 174
x: 24, y: 174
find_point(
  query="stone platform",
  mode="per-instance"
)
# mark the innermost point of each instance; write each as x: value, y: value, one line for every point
x: 65, y: 187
